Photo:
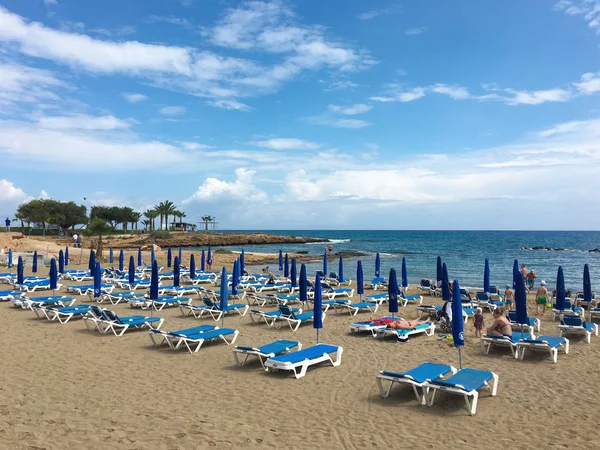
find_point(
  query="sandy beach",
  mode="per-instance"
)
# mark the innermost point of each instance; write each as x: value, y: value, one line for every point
x: 64, y: 387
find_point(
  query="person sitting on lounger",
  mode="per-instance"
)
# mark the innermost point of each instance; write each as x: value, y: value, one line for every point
x: 501, y: 325
x: 271, y: 279
x: 406, y: 324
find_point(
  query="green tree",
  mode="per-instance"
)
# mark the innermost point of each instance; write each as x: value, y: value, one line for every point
x: 21, y: 217
x: 135, y: 218
x: 37, y: 211
x: 206, y: 220
x: 98, y: 227
x: 151, y: 215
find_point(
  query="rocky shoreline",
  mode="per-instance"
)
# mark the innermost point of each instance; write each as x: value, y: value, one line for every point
x: 214, y: 239
x: 558, y: 249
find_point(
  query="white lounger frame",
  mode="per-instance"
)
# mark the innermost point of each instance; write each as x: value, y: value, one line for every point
x: 421, y: 396
x: 523, y: 346
x: 467, y: 395
x: 273, y: 366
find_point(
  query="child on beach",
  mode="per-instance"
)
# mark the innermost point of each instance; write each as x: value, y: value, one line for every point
x: 541, y: 297
x: 478, y: 322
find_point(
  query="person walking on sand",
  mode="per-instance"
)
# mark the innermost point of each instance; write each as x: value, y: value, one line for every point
x: 531, y: 279
x: 75, y: 239
x: 7, y: 223
x: 478, y: 319
x: 541, y: 298
x: 524, y: 271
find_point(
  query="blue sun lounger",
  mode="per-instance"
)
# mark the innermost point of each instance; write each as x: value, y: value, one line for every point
x: 269, y: 317
x: 300, y: 361
x: 376, y: 283
x: 406, y: 299
x: 159, y: 337
x: 50, y: 300
x: 295, y: 320
x: 416, y: 377
x: 119, y: 325
x: 576, y: 325
x: 198, y: 339
x: 370, y: 325
x: 354, y: 308
x: 65, y: 313
x: 265, y: 351
x: 466, y: 382
x: 532, y: 326
x: 402, y: 335
x: 6, y: 296
x: 376, y: 298
x: 550, y: 344
x: 511, y: 342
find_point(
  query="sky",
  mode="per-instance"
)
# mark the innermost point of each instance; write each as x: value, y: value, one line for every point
x: 338, y: 114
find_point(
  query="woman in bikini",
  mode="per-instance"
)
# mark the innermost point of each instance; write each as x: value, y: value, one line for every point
x: 406, y: 324
x: 501, y: 325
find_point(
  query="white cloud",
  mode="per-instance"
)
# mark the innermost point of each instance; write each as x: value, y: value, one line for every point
x: 192, y: 146
x: 368, y: 15
x: 242, y: 189
x: 455, y: 92
x: 589, y: 9
x: 82, y: 122
x: 415, y: 31
x: 589, y: 84
x: 336, y: 122
x: 132, y: 97
x: 350, y: 110
x: 230, y: 104
x: 341, y: 85
x: 397, y: 94
x: 286, y: 144
x: 121, y: 31
x: 9, y: 193
x: 537, y: 97
x: 172, y: 110
x: 22, y: 84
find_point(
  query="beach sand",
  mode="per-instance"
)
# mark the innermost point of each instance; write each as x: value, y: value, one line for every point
x: 63, y: 387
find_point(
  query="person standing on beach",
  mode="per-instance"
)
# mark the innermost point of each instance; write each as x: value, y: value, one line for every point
x: 509, y: 295
x: 330, y: 249
x: 209, y: 262
x: 531, y: 279
x: 75, y: 239
x: 7, y: 223
x: 541, y: 298
x: 524, y: 271
x: 478, y: 322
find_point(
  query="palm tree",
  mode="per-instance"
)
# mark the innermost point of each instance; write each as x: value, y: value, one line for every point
x: 168, y: 210
x: 99, y: 227
x: 135, y: 218
x: 151, y: 214
x: 206, y: 220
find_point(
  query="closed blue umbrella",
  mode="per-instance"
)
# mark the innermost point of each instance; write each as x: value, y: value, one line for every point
x: 169, y: 257
x: 445, y: 284
x: 192, y: 266
x: 111, y: 258
x: 202, y: 261
x: 516, y: 273
x: 293, y: 273
x: 438, y: 271
x: 153, y: 285
x: 131, y: 270
x: 139, y: 257
x: 34, y: 265
x: 286, y: 266
x: 234, y: 278
x: 486, y: 276
x: 457, y: 323
x: 325, y: 263
x: 404, y: 274
x: 53, y: 275
x: 303, y: 280
x: 66, y: 256
x: 587, y: 284
x: 209, y: 258
x: 377, y: 265
x: 242, y: 262
x: 360, y: 287
x: 393, y: 292
x: 318, y: 307
x: 152, y: 255
x: 20, y: 277
x: 61, y: 262
x: 223, y: 294
x: 341, y: 271
x: 561, y: 293
x: 97, y: 280
x: 180, y: 258
x: 10, y: 262
x: 521, y: 301
x: 121, y: 260
x: 92, y: 262
x: 176, y: 272
x: 280, y: 260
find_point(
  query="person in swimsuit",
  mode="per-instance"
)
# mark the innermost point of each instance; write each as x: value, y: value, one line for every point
x: 509, y: 295
x: 406, y: 324
x: 271, y: 279
x: 501, y: 325
x: 541, y: 298
x: 478, y: 319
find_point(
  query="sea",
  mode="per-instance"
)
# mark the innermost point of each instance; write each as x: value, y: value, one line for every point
x: 464, y: 253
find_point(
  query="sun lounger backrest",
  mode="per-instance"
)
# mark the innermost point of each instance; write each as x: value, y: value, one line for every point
x: 286, y: 311
x: 572, y: 321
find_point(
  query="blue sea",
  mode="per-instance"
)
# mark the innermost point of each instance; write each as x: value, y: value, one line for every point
x: 464, y: 253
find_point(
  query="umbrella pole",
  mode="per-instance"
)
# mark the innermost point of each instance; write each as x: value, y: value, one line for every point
x: 317, y: 335
x: 460, y: 358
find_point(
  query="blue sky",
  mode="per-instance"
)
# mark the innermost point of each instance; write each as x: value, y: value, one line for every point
x: 307, y: 114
